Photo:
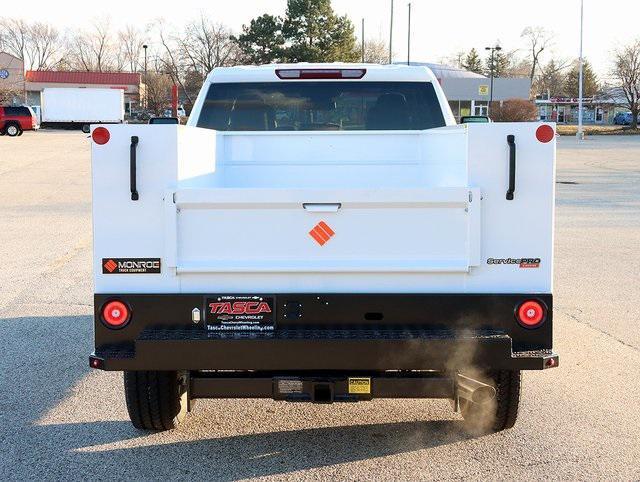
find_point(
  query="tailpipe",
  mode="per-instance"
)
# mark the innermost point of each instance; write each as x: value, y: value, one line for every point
x: 474, y: 390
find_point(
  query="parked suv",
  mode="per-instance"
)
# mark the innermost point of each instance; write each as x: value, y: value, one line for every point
x: 15, y: 120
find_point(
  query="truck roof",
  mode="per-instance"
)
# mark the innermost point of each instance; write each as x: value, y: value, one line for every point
x: 374, y: 72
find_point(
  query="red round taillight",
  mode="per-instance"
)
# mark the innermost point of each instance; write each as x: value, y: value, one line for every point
x: 115, y: 314
x: 531, y: 314
x: 100, y: 135
x: 545, y: 133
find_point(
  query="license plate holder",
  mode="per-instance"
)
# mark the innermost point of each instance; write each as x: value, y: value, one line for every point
x: 240, y: 312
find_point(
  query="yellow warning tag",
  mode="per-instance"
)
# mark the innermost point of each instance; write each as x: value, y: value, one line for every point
x: 360, y: 385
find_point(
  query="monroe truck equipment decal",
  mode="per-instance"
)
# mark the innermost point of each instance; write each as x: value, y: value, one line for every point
x: 130, y: 265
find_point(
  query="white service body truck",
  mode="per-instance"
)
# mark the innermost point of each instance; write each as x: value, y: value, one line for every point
x: 324, y: 233
x: 78, y: 108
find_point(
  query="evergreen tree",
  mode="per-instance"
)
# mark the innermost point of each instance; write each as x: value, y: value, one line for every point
x: 472, y: 62
x: 262, y: 41
x: 500, y: 65
x: 590, y: 85
x: 309, y: 32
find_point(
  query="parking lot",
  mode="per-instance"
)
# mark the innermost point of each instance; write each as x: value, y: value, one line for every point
x: 62, y: 420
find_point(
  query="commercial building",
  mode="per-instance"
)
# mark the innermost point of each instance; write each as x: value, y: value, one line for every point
x: 130, y: 83
x: 599, y: 109
x: 469, y: 93
x: 11, y: 79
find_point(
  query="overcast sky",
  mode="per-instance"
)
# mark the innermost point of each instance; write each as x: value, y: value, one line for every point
x: 439, y: 29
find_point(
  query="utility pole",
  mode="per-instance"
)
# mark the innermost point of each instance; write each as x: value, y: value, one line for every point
x: 409, y: 37
x: 391, y: 35
x: 580, y: 134
x: 363, y: 40
x: 491, y: 72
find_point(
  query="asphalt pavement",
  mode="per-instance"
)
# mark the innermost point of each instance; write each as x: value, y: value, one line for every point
x: 60, y: 420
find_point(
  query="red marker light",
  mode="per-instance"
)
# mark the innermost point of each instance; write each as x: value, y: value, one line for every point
x: 100, y: 135
x: 530, y: 314
x: 115, y: 314
x: 545, y: 133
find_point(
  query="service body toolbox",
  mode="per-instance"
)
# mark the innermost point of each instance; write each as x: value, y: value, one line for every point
x: 323, y: 233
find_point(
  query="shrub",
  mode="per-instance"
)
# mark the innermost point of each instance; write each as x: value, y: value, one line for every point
x: 514, y: 110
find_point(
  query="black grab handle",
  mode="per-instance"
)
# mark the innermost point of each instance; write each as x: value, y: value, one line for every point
x: 132, y: 168
x: 511, y: 140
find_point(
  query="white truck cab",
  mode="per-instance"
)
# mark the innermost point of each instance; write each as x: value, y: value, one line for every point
x: 323, y: 233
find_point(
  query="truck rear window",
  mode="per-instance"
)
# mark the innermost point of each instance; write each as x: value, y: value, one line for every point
x: 321, y: 106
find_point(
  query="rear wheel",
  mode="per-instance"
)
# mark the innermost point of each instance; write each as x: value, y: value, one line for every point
x: 155, y: 400
x: 500, y: 413
x: 13, y: 130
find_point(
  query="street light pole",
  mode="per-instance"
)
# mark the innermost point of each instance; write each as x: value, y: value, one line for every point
x: 580, y: 134
x: 144, y: 46
x: 145, y: 58
x: 491, y: 72
x: 409, y: 37
x: 391, y: 35
x: 363, y: 40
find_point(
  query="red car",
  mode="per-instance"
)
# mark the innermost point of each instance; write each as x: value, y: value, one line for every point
x: 15, y: 120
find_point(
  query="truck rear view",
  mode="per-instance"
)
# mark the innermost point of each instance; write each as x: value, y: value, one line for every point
x: 323, y: 233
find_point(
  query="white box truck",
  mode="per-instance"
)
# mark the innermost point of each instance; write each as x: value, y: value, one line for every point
x: 78, y: 108
x: 323, y: 233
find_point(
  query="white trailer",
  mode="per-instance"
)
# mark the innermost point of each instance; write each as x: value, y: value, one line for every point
x: 323, y: 233
x: 81, y: 107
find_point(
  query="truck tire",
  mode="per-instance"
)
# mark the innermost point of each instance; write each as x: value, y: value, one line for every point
x: 12, y: 130
x: 499, y: 414
x: 155, y: 400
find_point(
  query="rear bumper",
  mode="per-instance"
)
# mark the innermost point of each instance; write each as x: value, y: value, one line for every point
x: 314, y: 350
x: 330, y: 332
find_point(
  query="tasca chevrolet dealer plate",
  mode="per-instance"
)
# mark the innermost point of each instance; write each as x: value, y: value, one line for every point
x: 240, y: 313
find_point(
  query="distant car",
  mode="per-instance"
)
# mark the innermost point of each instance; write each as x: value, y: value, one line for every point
x: 180, y: 112
x: 164, y: 120
x: 623, y: 119
x: 15, y: 120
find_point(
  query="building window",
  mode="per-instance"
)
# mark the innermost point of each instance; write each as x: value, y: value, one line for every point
x: 481, y: 108
x: 455, y: 109
x: 465, y: 108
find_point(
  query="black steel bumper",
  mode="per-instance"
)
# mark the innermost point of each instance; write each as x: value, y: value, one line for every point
x: 442, y: 333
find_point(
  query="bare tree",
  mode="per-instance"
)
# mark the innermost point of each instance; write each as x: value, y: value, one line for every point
x: 206, y: 45
x: 516, y: 65
x: 43, y: 44
x: 171, y: 62
x: 157, y: 91
x: 15, y: 35
x: 131, y: 40
x: 539, y: 39
x: 455, y: 59
x: 627, y: 72
x: 376, y: 51
x: 93, y: 50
